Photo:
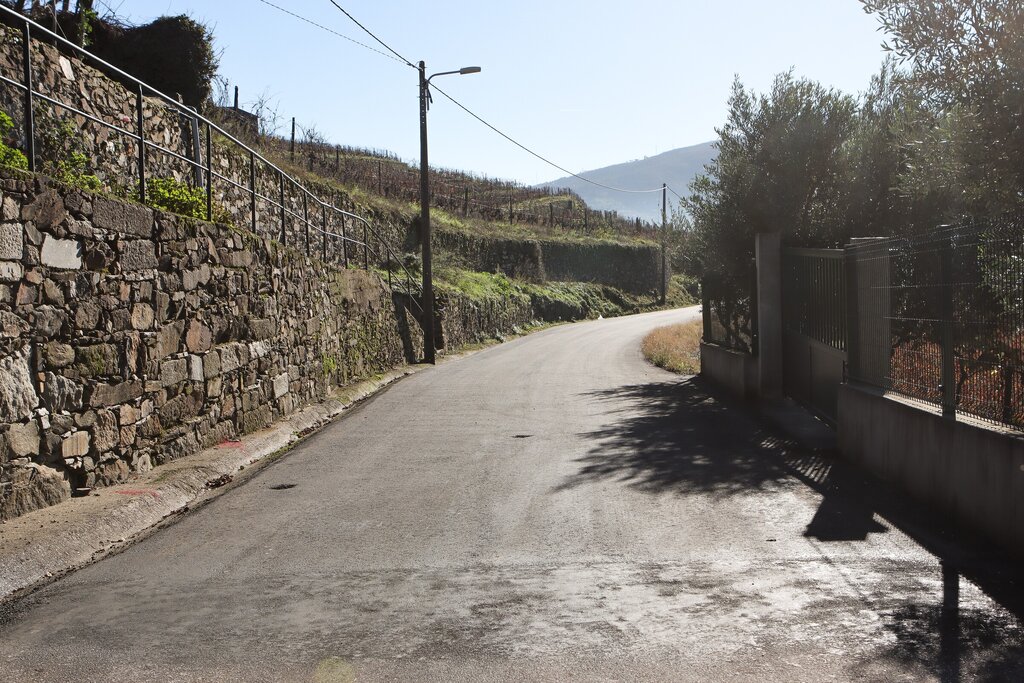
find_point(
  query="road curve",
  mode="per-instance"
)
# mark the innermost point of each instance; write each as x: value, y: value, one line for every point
x: 552, y: 508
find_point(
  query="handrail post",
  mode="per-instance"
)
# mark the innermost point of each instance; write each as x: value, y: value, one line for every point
x: 305, y: 218
x: 366, y: 249
x: 324, y: 207
x: 142, y: 145
x: 280, y: 177
x: 30, y: 124
x: 344, y: 242
x: 209, y: 173
x: 252, y: 188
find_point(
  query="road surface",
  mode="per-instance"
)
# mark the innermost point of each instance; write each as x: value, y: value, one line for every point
x: 549, y: 509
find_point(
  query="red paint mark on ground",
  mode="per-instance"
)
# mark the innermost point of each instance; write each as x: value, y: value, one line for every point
x: 230, y: 444
x: 138, y: 492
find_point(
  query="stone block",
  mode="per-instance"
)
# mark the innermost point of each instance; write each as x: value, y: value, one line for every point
x: 211, y: 365
x: 105, y: 433
x: 10, y: 271
x: 232, y: 356
x: 18, y: 395
x: 168, y: 340
x: 33, y: 487
x: 58, y: 354
x: 113, y: 394
x: 127, y: 435
x: 173, y: 371
x: 129, y: 414
x: 75, y: 445
x: 23, y: 439
x: 9, y: 209
x: 12, y: 242
x: 258, y: 349
x: 87, y: 315
x: 195, y: 368
x: 121, y: 217
x: 138, y: 255
x: 199, y: 338
x: 281, y: 385
x: 214, y: 387
x: 46, y: 211
x: 61, y: 254
x: 12, y: 326
x: 180, y: 408
x: 97, y: 360
x: 142, y: 317
x: 61, y: 393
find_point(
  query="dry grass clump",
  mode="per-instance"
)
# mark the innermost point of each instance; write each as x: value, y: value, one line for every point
x: 675, y: 347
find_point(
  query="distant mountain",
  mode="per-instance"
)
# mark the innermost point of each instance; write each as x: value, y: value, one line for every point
x: 676, y: 167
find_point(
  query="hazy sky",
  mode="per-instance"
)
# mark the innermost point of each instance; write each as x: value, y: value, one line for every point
x: 586, y: 83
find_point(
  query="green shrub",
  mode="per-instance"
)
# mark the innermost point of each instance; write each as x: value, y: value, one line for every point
x: 9, y: 156
x: 63, y: 154
x: 183, y: 199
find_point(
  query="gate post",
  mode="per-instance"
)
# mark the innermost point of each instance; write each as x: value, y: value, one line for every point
x: 768, y: 255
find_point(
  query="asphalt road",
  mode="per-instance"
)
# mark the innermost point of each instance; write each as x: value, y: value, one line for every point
x: 549, y: 509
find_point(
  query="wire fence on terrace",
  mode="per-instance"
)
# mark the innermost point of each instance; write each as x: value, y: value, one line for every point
x: 461, y: 194
x: 940, y: 318
x: 133, y: 135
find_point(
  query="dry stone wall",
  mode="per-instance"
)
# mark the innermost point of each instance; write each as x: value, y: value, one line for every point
x: 130, y: 337
x: 631, y: 268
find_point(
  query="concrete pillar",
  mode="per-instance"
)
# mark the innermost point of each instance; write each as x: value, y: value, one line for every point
x: 768, y: 254
x: 870, y: 310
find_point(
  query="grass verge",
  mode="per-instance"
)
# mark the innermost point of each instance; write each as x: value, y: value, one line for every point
x: 675, y: 347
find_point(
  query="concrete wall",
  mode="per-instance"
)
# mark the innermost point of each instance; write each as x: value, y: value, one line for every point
x: 972, y: 473
x: 734, y: 371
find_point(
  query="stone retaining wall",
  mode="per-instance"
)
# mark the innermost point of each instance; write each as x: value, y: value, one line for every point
x: 634, y: 268
x: 130, y: 337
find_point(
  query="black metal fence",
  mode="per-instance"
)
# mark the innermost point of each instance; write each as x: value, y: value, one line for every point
x: 277, y: 206
x: 729, y: 307
x: 814, y: 295
x: 940, y: 318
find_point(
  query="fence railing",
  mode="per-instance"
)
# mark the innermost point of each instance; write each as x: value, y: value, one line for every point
x: 814, y: 295
x: 940, y: 318
x: 315, y: 216
x: 729, y: 309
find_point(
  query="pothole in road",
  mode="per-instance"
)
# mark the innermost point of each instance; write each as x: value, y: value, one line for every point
x: 521, y: 436
x: 281, y: 487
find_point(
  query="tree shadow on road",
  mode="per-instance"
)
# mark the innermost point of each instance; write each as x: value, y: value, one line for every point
x: 680, y: 437
x: 672, y: 437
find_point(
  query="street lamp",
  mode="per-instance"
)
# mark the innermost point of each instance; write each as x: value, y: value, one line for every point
x: 429, y: 352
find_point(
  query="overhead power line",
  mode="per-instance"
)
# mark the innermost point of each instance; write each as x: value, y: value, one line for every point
x: 332, y: 31
x: 530, y: 151
x: 395, y: 55
x: 370, y: 33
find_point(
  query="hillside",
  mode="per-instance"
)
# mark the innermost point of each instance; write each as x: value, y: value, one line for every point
x: 676, y: 167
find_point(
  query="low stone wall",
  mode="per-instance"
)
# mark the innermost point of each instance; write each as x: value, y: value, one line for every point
x: 129, y: 337
x: 971, y: 473
x: 463, y: 321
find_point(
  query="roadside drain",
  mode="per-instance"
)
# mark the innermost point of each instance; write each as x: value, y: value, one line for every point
x: 281, y: 487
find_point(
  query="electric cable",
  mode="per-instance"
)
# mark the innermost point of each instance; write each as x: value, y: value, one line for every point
x: 332, y: 31
x: 399, y: 57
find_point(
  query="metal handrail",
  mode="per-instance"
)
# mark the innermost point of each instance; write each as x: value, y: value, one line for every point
x: 31, y: 94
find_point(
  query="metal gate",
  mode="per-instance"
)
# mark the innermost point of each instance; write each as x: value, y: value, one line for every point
x: 814, y: 327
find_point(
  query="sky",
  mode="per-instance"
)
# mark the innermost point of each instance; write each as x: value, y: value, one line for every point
x: 585, y: 83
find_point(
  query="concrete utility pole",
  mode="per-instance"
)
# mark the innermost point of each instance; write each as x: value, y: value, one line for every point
x: 429, y: 349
